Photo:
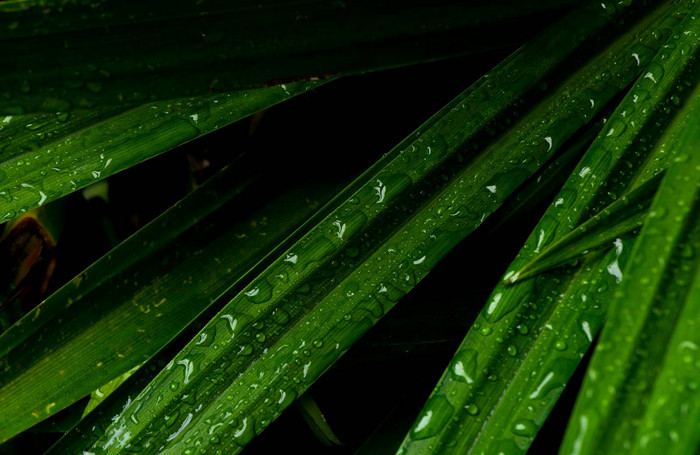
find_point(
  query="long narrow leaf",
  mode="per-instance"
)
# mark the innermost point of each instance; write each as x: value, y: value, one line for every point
x: 130, y: 303
x: 621, y: 217
x: 98, y: 54
x: 297, y: 318
x: 46, y: 156
x: 530, y: 336
x: 641, y: 391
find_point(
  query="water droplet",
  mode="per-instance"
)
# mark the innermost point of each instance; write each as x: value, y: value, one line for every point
x: 171, y: 418
x: 464, y: 366
x: 35, y: 125
x: 438, y: 414
x: 615, y: 127
x: 259, y: 292
x: 280, y: 316
x: 524, y: 427
x: 245, y: 350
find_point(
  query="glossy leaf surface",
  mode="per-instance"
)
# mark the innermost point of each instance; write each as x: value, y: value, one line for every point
x: 527, y: 342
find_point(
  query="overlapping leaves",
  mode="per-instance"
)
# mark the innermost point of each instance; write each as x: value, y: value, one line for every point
x: 280, y: 303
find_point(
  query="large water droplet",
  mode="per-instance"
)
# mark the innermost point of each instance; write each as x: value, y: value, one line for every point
x: 524, y: 427
x: 438, y: 412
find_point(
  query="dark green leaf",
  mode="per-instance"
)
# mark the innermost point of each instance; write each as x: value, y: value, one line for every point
x: 46, y: 156
x: 528, y: 340
x: 293, y: 321
x: 620, y: 218
x: 108, y: 53
x: 316, y: 420
x: 641, y: 388
x: 130, y: 303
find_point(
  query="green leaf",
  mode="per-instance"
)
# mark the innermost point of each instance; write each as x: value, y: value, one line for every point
x: 528, y: 340
x: 620, y: 218
x: 109, y: 53
x: 547, y: 182
x: 46, y: 156
x: 316, y: 420
x: 130, y: 303
x: 640, y: 389
x: 102, y: 392
x: 60, y: 422
x: 293, y: 321
x: 91, y: 427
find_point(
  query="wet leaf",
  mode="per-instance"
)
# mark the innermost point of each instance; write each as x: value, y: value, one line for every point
x: 130, y: 303
x: 620, y: 218
x: 640, y: 390
x: 523, y: 348
x: 278, y: 335
x: 111, y: 53
x: 47, y: 156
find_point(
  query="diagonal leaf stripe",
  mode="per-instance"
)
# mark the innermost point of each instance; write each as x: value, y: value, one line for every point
x: 130, y: 303
x: 629, y: 397
x: 111, y: 53
x: 46, y: 156
x: 291, y: 323
x: 621, y: 217
x: 530, y: 336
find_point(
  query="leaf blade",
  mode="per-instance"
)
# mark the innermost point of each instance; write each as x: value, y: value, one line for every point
x: 502, y: 386
x: 131, y: 302
x: 329, y: 301
x: 619, y: 218
x: 629, y: 374
x: 109, y: 54
x: 46, y: 156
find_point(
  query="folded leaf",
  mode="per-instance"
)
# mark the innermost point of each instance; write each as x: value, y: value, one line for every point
x: 640, y: 391
x: 317, y: 421
x: 528, y: 340
x: 621, y: 217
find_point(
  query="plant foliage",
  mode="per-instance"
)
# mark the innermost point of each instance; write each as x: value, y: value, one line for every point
x: 194, y: 333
